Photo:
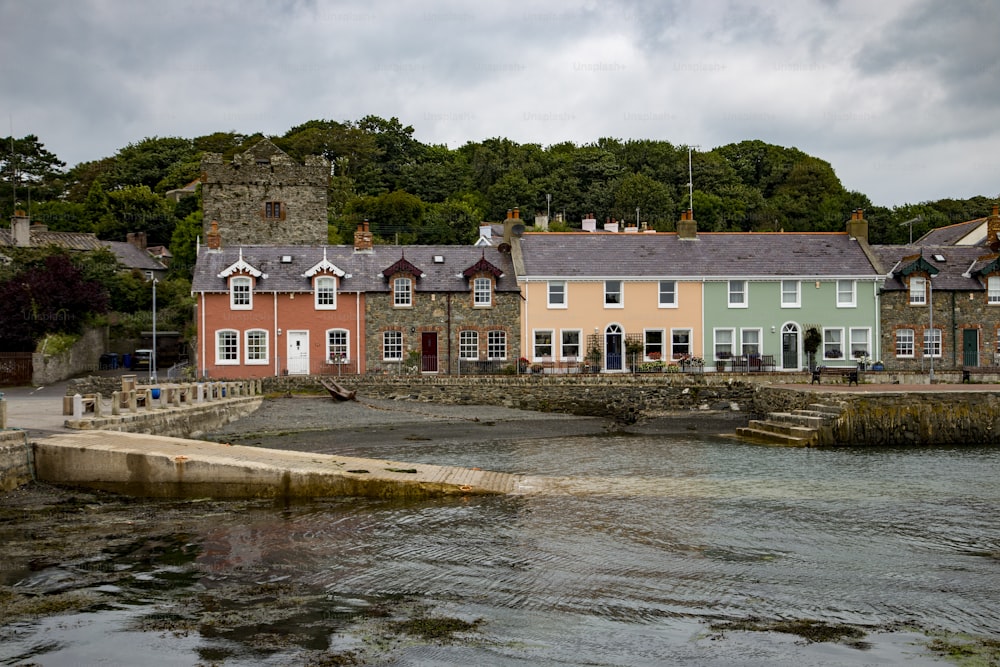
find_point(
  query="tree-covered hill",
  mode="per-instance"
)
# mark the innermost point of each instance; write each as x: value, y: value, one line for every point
x: 419, y: 193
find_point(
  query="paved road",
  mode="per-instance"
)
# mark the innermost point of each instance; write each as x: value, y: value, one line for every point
x: 38, y: 410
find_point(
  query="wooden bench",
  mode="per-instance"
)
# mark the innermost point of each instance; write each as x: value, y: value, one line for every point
x: 838, y: 371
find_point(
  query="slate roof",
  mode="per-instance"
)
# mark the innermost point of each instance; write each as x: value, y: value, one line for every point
x: 362, y: 268
x: 132, y: 257
x: 951, y: 234
x: 956, y: 272
x: 66, y: 240
x: 599, y: 255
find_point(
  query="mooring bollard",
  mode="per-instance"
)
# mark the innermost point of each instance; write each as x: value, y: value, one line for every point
x: 200, y: 393
x: 116, y: 403
x: 3, y: 411
x: 98, y: 408
x: 77, y: 406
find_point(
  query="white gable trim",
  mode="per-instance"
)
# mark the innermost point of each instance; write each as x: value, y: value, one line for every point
x: 241, y: 266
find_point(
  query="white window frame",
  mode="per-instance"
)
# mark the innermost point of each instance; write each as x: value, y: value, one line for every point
x: 482, y: 293
x: 674, y: 345
x: 671, y: 294
x: 651, y: 346
x: 932, y: 337
x: 852, y: 341
x: 829, y: 334
x: 402, y: 292
x: 496, y: 344
x: 614, y: 298
x: 847, y: 303
x: 744, y: 343
x: 905, y: 338
x: 468, y: 345
x: 392, y: 345
x: 556, y: 293
x: 993, y: 291
x: 738, y: 288
x: 250, y: 347
x: 241, y: 293
x: 918, y: 295
x: 232, y: 358
x: 325, y: 292
x: 537, y: 346
x: 716, y: 343
x: 796, y: 292
x: 344, y: 348
x: 563, y: 343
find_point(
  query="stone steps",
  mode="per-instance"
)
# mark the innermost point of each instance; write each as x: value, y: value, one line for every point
x: 798, y: 428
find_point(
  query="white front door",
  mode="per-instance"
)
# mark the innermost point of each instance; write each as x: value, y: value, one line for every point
x: 298, y: 352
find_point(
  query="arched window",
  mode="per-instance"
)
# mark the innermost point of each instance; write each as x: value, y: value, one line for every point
x: 227, y: 347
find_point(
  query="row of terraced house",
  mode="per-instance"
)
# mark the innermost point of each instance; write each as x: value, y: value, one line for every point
x: 273, y: 298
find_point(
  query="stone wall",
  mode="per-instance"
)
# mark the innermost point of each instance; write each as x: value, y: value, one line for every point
x: 905, y: 419
x: 84, y: 356
x: 624, y: 398
x: 234, y: 194
x: 15, y: 454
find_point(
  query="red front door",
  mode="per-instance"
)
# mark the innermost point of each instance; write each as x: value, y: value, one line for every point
x: 429, y: 352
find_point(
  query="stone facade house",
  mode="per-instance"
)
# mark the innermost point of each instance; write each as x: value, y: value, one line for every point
x: 940, y: 305
x: 264, y: 196
x: 440, y: 309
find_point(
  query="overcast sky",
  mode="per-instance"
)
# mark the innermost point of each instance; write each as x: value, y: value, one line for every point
x: 902, y: 97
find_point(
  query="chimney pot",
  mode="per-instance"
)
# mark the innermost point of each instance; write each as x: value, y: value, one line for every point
x: 213, y: 237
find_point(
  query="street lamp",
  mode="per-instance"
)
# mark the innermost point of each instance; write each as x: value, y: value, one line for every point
x: 152, y: 359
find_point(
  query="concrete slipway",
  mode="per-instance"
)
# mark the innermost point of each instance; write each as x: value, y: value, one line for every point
x: 157, y: 466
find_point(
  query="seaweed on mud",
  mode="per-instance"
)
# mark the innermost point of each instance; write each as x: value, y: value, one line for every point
x: 809, y: 629
x: 435, y: 627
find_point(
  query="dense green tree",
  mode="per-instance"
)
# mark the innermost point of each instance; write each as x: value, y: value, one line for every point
x: 148, y: 162
x: 135, y: 209
x: 28, y: 171
x: 395, y: 217
x: 455, y: 221
x: 184, y: 243
x: 652, y: 198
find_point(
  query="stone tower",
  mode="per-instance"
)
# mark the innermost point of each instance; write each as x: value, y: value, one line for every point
x: 264, y: 197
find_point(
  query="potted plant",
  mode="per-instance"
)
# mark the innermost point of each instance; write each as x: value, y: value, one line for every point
x: 813, y: 339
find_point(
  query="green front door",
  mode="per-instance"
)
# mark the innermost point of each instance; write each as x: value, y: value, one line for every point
x: 970, y: 348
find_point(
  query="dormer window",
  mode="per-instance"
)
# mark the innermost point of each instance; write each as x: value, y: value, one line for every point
x: 482, y: 293
x: 993, y: 290
x: 240, y: 293
x: 918, y: 290
x: 402, y: 292
x: 325, y: 290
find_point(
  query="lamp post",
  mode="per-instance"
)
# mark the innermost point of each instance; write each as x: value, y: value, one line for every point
x: 548, y: 207
x: 152, y: 359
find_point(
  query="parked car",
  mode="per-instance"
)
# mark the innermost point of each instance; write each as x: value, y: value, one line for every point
x: 141, y: 360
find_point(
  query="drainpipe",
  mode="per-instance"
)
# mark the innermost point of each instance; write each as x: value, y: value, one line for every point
x: 277, y: 362
x: 357, y: 329
x: 204, y: 359
x: 954, y: 336
x: 449, y: 332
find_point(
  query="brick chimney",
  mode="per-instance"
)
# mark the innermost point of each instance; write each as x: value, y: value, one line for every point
x: 687, y: 228
x: 513, y: 218
x: 363, y: 239
x: 993, y: 226
x: 138, y: 239
x: 857, y: 226
x: 20, y: 229
x: 214, y: 238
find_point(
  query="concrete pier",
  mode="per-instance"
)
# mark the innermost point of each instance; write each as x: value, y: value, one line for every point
x: 146, y: 465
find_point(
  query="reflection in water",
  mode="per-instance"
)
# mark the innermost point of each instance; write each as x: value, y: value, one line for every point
x: 622, y: 548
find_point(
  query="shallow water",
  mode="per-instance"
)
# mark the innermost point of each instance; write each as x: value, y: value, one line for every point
x: 635, y: 546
